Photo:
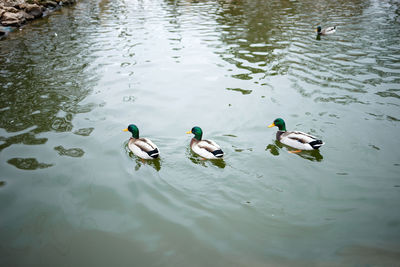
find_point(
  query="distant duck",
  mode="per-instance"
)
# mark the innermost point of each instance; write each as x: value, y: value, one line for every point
x: 205, y: 148
x: 295, y: 139
x: 142, y: 147
x: 325, y: 31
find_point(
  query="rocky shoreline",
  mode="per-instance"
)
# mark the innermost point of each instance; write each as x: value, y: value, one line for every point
x: 15, y: 13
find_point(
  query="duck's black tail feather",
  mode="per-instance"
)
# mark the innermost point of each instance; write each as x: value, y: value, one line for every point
x: 316, y: 144
x: 153, y: 153
x: 218, y: 153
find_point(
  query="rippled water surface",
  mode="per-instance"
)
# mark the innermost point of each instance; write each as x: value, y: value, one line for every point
x: 71, y: 194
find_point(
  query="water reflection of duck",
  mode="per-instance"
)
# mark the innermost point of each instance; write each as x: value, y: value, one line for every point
x: 142, y: 147
x: 313, y: 155
x: 325, y: 31
x: 295, y: 139
x: 205, y: 148
x: 196, y: 159
x: 156, y: 163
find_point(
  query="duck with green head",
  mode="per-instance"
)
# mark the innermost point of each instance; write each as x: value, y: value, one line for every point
x: 205, y: 148
x: 295, y: 139
x: 142, y: 147
x: 325, y: 31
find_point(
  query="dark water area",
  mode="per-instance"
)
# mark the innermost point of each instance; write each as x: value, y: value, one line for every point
x: 72, y: 194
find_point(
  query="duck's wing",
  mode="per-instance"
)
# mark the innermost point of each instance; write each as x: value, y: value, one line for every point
x: 211, y: 147
x: 329, y: 30
x: 301, y: 140
x: 146, y: 146
x: 208, y: 145
x: 149, y: 142
x: 299, y: 136
x: 212, y: 143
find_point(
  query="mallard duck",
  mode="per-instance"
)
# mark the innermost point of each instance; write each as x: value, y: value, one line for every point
x: 142, y: 147
x: 325, y: 31
x: 295, y: 139
x: 205, y: 148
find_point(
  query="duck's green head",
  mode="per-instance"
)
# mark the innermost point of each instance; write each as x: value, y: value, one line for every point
x: 278, y: 123
x: 198, y: 133
x: 133, y: 129
x: 318, y: 29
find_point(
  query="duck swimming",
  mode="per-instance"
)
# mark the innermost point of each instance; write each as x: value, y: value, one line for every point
x: 205, y: 148
x: 142, y: 147
x: 325, y: 31
x: 295, y: 139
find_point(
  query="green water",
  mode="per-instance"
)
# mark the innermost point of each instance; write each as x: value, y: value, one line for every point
x: 71, y: 194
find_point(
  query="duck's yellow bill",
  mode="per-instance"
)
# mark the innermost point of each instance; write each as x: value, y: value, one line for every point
x: 189, y: 132
x: 125, y: 130
x: 271, y: 125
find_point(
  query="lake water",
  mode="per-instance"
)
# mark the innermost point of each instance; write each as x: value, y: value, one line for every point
x: 71, y: 194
